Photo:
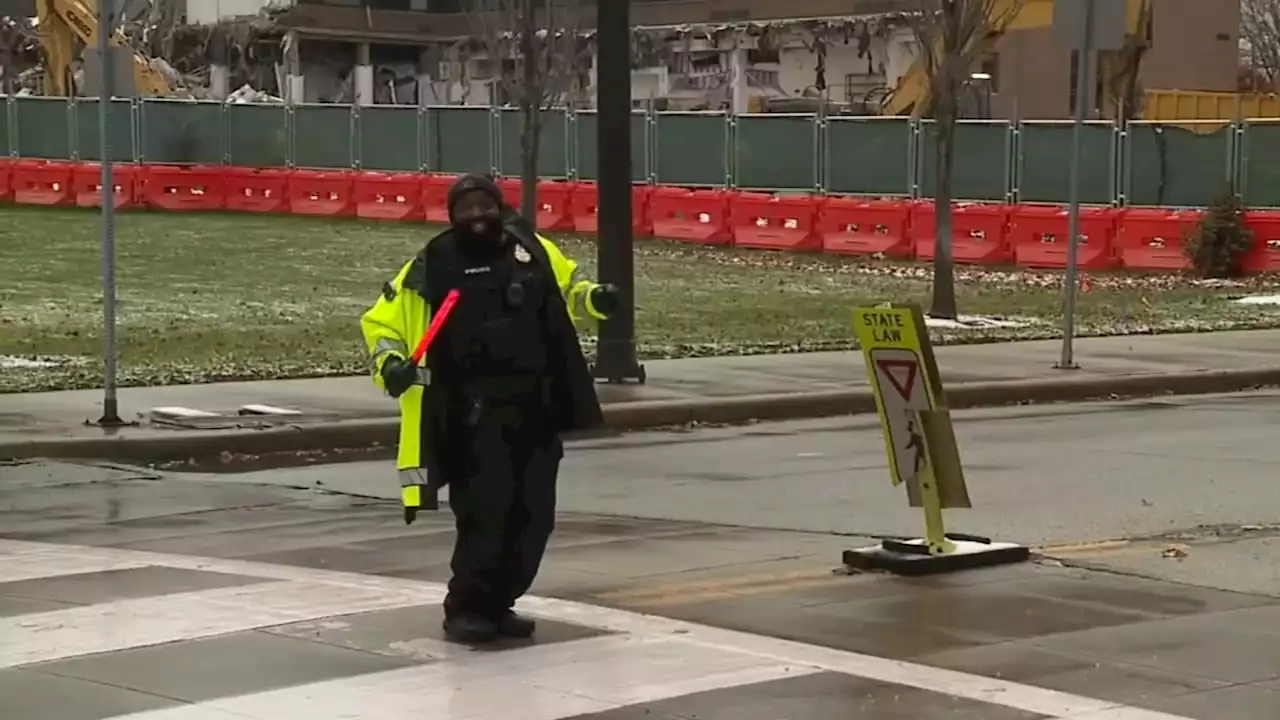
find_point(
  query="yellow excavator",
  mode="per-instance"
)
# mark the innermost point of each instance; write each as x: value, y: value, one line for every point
x: 1119, y: 68
x: 66, y: 28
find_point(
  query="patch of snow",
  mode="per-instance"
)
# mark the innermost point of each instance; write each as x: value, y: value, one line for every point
x: 973, y: 322
x: 1259, y: 300
x: 10, y: 362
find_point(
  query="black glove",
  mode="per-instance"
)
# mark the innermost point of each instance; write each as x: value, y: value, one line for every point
x: 606, y: 298
x: 398, y: 374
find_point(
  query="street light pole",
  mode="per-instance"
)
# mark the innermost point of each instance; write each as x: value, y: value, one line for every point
x: 107, y: 15
x: 616, y: 353
x: 1084, y: 44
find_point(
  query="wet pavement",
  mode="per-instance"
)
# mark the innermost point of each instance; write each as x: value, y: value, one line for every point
x: 62, y: 415
x: 133, y: 593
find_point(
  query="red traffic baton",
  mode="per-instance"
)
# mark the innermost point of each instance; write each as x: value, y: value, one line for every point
x: 437, y: 321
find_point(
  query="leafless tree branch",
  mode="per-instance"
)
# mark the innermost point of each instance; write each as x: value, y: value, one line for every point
x: 954, y: 37
x: 536, y: 48
x: 536, y: 52
x: 1260, y: 26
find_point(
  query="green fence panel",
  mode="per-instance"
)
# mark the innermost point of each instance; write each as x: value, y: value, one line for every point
x: 43, y: 128
x: 459, y: 139
x: 1174, y: 166
x: 1044, y: 160
x: 776, y: 151
x: 868, y: 156
x: 1260, y: 172
x: 181, y: 132
x: 553, y: 146
x: 981, y: 168
x: 324, y: 137
x: 257, y: 135
x: 88, y: 138
x: 390, y: 138
x: 692, y: 148
x: 586, y: 140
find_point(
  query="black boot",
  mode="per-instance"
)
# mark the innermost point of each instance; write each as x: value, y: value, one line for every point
x: 469, y: 629
x: 511, y: 625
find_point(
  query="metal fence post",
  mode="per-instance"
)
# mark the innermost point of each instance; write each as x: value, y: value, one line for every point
x: 1246, y: 139
x: 1010, y: 148
x: 915, y: 158
x: 819, y: 123
x: 651, y: 143
x: 495, y: 140
x: 420, y: 138
x: 290, y: 127
x: 355, y: 144
x: 73, y: 139
x: 135, y: 128
x: 1124, y: 176
x: 730, y: 150
x: 1017, y: 159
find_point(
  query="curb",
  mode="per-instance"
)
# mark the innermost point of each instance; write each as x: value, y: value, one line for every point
x: 354, y: 434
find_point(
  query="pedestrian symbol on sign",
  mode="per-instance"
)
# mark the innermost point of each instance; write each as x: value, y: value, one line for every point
x: 901, y: 388
x: 915, y: 441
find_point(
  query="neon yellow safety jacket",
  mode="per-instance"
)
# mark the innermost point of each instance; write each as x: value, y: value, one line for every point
x: 398, y: 320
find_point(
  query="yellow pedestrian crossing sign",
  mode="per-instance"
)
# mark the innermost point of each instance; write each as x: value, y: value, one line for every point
x: 920, y: 446
x: 891, y: 347
x: 919, y: 441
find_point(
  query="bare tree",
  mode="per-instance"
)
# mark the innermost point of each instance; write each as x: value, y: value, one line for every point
x: 1119, y: 69
x: 1260, y: 30
x: 536, y: 48
x: 954, y: 37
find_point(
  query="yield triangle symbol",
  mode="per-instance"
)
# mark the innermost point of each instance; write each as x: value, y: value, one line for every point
x: 901, y: 375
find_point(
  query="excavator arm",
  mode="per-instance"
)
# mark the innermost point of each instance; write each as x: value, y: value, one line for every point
x: 912, y: 93
x: 62, y: 23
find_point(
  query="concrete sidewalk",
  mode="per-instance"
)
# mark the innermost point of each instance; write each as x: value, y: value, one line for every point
x: 351, y: 413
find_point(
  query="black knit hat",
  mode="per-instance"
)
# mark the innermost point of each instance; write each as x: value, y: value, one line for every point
x: 470, y: 182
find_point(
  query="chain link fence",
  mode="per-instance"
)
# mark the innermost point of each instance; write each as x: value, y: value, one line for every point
x: 1183, y: 164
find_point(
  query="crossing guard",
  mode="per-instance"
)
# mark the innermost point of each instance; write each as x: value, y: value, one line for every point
x: 921, y: 447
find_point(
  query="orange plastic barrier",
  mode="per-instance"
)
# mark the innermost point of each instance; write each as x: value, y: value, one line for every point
x: 849, y: 226
x: 6, y: 178
x: 41, y: 182
x: 761, y: 220
x: 327, y: 193
x: 1038, y: 235
x: 698, y: 216
x: 254, y: 190
x: 979, y: 233
x: 389, y: 196
x: 1152, y: 238
x: 435, y: 197
x: 553, y: 198
x: 86, y: 185
x: 1265, y: 254
x: 192, y: 188
x: 584, y: 209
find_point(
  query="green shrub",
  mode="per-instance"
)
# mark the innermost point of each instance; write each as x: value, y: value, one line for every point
x: 1219, y: 244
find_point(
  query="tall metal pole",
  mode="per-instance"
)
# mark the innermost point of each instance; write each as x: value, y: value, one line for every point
x: 616, y: 354
x: 110, y: 403
x: 1084, y: 50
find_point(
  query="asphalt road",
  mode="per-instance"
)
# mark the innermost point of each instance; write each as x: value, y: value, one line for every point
x: 1134, y: 504
x: 1047, y: 475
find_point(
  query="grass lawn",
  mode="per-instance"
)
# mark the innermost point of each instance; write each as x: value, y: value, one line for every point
x: 218, y: 297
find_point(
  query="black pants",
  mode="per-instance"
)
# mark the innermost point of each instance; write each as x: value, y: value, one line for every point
x: 503, y: 499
